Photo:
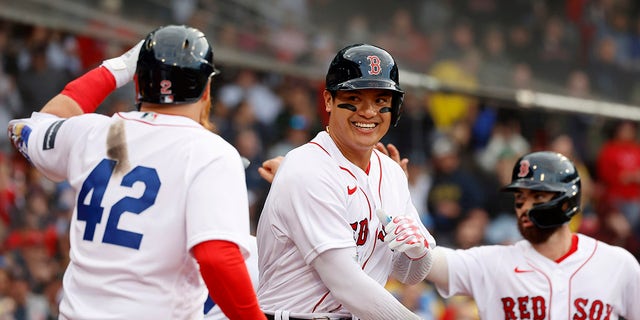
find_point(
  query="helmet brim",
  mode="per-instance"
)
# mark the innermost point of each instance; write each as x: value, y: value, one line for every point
x: 359, y: 84
x: 532, y: 185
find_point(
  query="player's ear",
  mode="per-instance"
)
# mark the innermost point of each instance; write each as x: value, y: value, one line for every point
x: 207, y: 92
x: 328, y: 100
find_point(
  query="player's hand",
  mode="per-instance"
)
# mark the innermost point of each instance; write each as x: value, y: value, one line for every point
x: 269, y: 168
x: 394, y: 154
x: 404, y: 235
x: 18, y: 132
x: 124, y: 67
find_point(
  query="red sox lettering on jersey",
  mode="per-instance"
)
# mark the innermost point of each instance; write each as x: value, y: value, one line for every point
x: 535, y: 308
x: 361, y: 232
x: 597, y: 281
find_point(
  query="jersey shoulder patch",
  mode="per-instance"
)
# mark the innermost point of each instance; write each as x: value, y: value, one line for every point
x: 50, y: 135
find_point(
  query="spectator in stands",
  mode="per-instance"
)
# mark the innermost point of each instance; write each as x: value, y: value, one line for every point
x: 410, y: 47
x: 454, y: 193
x: 506, y: 139
x: 28, y: 304
x: 496, y: 64
x: 618, y: 166
x: 557, y: 50
x: 39, y: 82
x: 585, y: 221
x: 247, y: 85
x: 608, y: 77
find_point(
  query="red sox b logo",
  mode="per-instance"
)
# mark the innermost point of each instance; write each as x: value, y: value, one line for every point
x: 362, y: 229
x: 374, y: 65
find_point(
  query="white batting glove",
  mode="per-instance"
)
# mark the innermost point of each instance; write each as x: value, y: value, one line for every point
x: 124, y: 67
x: 404, y: 235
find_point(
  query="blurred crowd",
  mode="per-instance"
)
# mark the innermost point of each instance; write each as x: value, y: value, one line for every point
x: 461, y: 149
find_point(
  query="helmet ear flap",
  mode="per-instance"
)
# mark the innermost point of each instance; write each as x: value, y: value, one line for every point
x: 557, y: 211
x: 396, y: 108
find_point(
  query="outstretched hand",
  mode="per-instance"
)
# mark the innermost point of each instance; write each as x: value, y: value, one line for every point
x: 404, y: 235
x: 393, y: 153
x: 269, y: 168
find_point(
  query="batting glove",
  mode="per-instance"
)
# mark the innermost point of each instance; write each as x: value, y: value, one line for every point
x: 124, y: 67
x: 404, y: 235
x: 19, y: 132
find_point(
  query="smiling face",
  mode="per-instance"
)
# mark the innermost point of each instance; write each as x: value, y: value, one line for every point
x: 358, y: 119
x: 524, y: 200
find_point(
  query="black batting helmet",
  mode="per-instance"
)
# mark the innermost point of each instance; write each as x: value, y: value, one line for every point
x: 174, y: 66
x: 553, y: 172
x: 364, y: 66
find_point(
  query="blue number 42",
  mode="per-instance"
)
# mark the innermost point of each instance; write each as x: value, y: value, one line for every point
x: 91, y: 213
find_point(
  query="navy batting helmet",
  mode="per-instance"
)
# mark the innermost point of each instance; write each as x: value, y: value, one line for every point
x: 174, y: 66
x: 363, y: 66
x: 552, y: 172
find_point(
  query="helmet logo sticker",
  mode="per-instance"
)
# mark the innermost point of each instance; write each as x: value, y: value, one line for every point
x: 374, y: 65
x: 524, y: 168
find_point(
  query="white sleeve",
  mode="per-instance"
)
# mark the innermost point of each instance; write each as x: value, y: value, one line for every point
x: 217, y: 204
x: 49, y: 140
x: 351, y: 286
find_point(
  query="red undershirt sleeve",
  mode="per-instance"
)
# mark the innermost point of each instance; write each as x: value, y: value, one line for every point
x: 225, y: 273
x: 90, y: 89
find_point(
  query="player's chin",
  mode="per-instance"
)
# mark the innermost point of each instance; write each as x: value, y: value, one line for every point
x: 534, y: 234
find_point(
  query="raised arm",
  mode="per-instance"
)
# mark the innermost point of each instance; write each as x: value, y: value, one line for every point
x: 84, y: 94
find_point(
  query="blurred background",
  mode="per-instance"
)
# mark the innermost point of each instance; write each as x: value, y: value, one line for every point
x: 486, y: 81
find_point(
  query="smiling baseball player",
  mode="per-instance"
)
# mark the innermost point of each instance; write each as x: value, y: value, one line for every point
x: 322, y: 249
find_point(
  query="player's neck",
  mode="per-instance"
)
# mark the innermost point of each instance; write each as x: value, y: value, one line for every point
x: 557, y: 245
x: 191, y: 111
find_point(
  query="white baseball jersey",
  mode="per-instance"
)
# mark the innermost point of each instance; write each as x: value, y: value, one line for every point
x: 320, y: 201
x: 598, y: 282
x: 148, y: 187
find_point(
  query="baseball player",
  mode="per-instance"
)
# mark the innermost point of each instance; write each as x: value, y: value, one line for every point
x: 551, y: 274
x: 323, y: 251
x: 161, y: 201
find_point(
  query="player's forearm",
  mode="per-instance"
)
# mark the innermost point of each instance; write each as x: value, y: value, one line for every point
x: 410, y: 271
x: 439, y: 273
x: 62, y: 106
x: 225, y: 273
x: 359, y: 293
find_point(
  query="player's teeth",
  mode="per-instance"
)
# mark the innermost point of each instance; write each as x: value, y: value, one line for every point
x: 365, y: 125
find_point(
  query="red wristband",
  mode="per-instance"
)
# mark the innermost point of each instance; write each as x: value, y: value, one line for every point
x: 90, y: 89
